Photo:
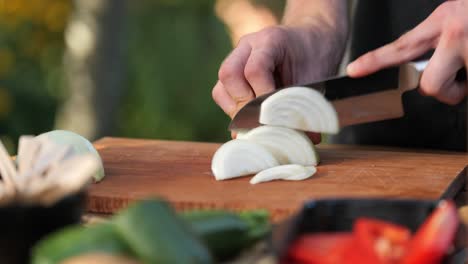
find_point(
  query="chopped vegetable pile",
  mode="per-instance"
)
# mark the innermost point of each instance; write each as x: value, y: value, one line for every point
x: 375, y: 241
x: 280, y: 141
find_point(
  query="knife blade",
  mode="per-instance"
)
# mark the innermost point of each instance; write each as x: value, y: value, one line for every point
x: 356, y: 100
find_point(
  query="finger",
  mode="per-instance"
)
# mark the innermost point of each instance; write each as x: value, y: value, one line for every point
x: 451, y: 92
x: 408, y: 47
x: 231, y: 74
x: 315, y: 137
x: 259, y: 71
x: 223, y: 99
x: 438, y: 79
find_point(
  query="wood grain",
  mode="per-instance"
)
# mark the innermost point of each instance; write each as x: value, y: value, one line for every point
x: 181, y: 173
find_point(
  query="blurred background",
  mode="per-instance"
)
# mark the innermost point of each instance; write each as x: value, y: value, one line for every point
x: 141, y: 69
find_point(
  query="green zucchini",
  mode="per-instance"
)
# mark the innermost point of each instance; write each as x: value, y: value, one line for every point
x: 156, y: 235
x: 259, y: 225
x: 222, y: 232
x: 227, y: 234
x: 77, y: 240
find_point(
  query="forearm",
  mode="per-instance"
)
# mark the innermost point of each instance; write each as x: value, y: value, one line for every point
x: 324, y: 24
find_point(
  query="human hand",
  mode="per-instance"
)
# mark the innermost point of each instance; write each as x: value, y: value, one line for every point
x: 276, y: 56
x: 446, y: 31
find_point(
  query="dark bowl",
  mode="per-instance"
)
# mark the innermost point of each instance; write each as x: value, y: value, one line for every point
x: 340, y: 214
x: 23, y: 225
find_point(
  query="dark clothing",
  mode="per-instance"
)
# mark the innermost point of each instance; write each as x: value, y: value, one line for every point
x: 427, y: 123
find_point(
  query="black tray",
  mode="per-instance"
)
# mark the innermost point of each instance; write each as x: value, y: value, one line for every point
x: 339, y: 215
x: 23, y: 225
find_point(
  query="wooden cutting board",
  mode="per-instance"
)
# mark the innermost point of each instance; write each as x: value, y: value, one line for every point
x: 181, y: 173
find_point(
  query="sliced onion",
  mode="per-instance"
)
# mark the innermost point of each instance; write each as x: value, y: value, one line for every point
x: 289, y: 146
x: 240, y: 134
x: 240, y: 157
x: 291, y: 172
x: 300, y: 108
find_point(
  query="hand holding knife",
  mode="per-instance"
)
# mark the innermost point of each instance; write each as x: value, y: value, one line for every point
x: 370, y: 98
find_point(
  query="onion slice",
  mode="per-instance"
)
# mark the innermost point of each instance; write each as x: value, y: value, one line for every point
x: 300, y: 108
x: 289, y: 146
x: 291, y: 172
x: 241, y: 157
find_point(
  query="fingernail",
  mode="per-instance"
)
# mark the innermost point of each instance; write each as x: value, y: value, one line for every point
x: 351, y: 68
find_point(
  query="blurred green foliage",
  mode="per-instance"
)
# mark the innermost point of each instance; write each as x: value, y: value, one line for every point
x: 175, y: 48
x: 31, y: 47
x: 174, y: 51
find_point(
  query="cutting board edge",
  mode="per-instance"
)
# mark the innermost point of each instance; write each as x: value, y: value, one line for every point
x: 457, y: 185
x: 103, y: 140
x: 106, y: 205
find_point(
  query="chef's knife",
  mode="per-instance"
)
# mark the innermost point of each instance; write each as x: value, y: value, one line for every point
x: 356, y: 100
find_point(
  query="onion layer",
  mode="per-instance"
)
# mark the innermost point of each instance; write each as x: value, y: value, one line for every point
x: 291, y: 172
x: 240, y: 157
x: 300, y: 108
x: 289, y: 146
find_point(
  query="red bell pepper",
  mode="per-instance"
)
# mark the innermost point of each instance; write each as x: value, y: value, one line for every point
x: 320, y: 248
x: 379, y: 241
x: 434, y: 237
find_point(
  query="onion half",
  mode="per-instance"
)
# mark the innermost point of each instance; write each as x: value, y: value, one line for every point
x: 299, y: 108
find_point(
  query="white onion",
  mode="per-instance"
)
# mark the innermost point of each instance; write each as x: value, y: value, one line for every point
x: 240, y: 157
x: 79, y: 144
x: 299, y: 108
x: 289, y: 146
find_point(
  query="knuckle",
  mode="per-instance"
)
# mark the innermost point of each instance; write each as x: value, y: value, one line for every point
x: 405, y: 47
x: 429, y: 87
x: 273, y: 34
x: 401, y: 44
x: 456, y: 30
x: 214, y: 94
x: 226, y: 72
x: 444, y: 9
x: 253, y: 70
x: 246, y: 38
